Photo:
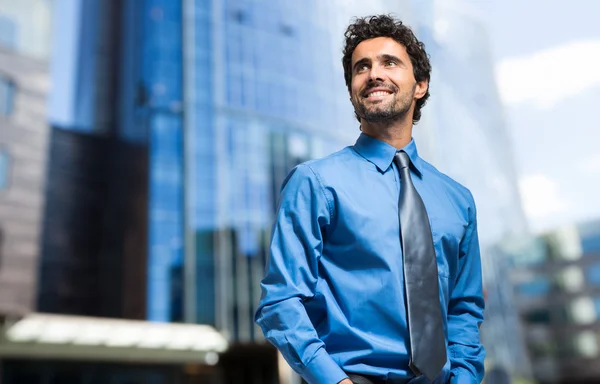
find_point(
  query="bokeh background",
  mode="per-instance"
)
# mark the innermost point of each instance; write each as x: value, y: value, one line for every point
x: 143, y: 144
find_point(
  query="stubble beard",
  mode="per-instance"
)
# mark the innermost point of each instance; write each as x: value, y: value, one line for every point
x: 395, y: 110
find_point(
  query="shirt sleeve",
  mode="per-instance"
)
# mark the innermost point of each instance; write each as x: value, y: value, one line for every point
x: 291, y: 278
x: 465, y: 310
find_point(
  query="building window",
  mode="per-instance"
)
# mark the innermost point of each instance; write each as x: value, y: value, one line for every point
x: 538, y: 316
x: 4, y: 160
x: 8, y: 33
x: 7, y: 93
x: 592, y: 273
x: 1, y: 246
x: 539, y: 287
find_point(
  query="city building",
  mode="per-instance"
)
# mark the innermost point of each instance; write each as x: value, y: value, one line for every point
x: 174, y: 124
x: 263, y: 90
x: 556, y: 278
x: 73, y: 212
x: 168, y: 127
x: 464, y: 134
x: 24, y: 136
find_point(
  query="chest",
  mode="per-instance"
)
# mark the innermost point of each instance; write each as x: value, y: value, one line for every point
x: 365, y: 221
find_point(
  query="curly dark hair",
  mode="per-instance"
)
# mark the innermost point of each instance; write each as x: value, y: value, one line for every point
x: 370, y: 27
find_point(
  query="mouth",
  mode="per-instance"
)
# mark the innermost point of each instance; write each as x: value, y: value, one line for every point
x: 377, y: 93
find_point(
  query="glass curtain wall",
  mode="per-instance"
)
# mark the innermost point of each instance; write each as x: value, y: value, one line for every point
x: 466, y: 137
x: 264, y: 91
x: 161, y: 91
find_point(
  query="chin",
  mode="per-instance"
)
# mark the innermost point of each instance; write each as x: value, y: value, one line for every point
x: 378, y: 111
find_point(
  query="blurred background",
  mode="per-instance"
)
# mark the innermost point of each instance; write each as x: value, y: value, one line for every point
x: 143, y: 144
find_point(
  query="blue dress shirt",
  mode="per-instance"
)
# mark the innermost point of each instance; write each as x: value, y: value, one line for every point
x: 333, y: 294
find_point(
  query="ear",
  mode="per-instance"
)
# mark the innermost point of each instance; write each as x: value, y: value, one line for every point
x: 421, y: 89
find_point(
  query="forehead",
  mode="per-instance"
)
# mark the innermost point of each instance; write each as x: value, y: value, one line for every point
x: 372, y: 48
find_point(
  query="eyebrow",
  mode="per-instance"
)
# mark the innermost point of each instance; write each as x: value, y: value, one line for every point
x: 382, y: 57
x: 388, y: 57
x: 360, y: 62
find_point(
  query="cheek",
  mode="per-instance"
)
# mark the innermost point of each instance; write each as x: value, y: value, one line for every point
x: 355, y: 88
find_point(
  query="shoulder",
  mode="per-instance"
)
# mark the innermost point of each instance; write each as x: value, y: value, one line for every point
x: 322, y: 167
x: 332, y: 161
x: 313, y: 170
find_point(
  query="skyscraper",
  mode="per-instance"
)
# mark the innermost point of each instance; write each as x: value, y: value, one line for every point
x: 173, y: 124
x: 73, y: 198
x: 464, y: 134
x: 263, y: 90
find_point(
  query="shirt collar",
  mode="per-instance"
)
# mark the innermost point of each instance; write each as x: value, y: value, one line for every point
x: 382, y: 154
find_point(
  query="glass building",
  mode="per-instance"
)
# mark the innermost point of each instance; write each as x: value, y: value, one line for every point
x: 234, y: 99
x: 464, y: 134
x: 172, y: 129
x: 556, y: 279
x: 263, y: 90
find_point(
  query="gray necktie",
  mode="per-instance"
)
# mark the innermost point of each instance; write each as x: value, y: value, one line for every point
x: 427, y: 340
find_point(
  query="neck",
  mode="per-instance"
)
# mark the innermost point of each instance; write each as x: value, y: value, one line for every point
x: 396, y: 133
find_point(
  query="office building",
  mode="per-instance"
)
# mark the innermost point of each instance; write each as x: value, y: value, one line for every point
x: 23, y: 150
x: 556, y: 277
x: 170, y: 128
x: 73, y: 212
x: 464, y: 134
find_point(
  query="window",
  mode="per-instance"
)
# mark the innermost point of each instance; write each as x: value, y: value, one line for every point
x: 1, y: 246
x: 592, y: 273
x: 541, y: 286
x: 4, y: 160
x: 537, y: 316
x: 7, y: 90
x: 8, y: 33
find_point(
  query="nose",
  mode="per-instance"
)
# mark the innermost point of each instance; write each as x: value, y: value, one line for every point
x: 376, y: 73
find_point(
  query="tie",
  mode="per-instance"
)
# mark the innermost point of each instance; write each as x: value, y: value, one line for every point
x: 427, y: 340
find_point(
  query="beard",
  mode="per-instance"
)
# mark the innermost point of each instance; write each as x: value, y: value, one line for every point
x: 395, y: 109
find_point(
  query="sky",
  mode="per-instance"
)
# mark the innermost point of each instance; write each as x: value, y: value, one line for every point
x: 546, y: 55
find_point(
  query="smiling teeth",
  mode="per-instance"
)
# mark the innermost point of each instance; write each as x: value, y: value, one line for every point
x: 380, y: 93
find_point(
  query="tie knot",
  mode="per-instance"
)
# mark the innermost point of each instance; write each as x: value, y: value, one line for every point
x: 402, y: 160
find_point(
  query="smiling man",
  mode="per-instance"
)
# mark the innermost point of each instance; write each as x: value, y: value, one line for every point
x: 374, y: 274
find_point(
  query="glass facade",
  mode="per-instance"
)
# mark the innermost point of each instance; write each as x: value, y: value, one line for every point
x: 161, y: 78
x: 555, y: 278
x: 263, y: 90
x: 254, y: 82
x: 214, y: 101
x: 463, y: 134
x: 468, y: 137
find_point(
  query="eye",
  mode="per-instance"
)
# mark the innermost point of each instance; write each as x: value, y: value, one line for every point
x: 390, y: 63
x: 362, y: 68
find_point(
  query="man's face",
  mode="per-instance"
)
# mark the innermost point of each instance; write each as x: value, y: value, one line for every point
x: 383, y: 83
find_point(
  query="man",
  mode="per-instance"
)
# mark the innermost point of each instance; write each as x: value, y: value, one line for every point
x: 374, y: 274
